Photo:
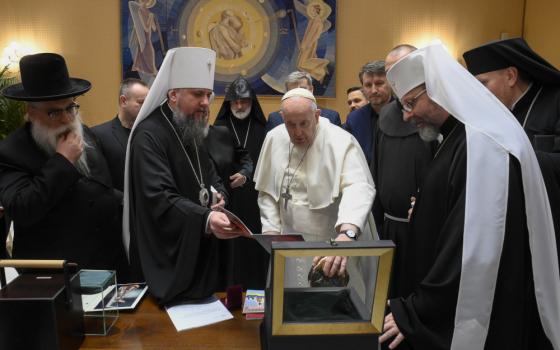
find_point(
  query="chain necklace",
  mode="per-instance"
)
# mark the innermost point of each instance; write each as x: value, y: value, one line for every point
x: 287, y: 195
x: 237, y: 136
x: 445, y: 140
x: 203, y: 195
x: 531, y: 107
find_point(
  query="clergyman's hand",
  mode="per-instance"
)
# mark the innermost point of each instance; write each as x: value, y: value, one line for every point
x: 221, y: 202
x: 412, y: 202
x: 391, y: 330
x: 221, y: 227
x: 237, y: 180
x: 70, y: 145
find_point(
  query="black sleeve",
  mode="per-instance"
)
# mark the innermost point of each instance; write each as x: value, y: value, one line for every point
x: 28, y: 197
x: 244, y: 162
x: 217, y: 181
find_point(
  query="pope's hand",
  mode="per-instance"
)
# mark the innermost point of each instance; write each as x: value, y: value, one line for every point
x: 334, y: 265
x: 221, y: 227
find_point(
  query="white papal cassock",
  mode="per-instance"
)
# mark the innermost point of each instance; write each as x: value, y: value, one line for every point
x: 332, y: 186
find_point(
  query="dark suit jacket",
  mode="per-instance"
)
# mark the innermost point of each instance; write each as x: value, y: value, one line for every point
x: 113, y: 138
x: 362, y: 123
x: 57, y: 212
x: 275, y: 119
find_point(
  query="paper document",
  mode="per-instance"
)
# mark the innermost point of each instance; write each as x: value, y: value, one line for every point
x: 237, y: 222
x: 193, y: 315
x: 264, y: 240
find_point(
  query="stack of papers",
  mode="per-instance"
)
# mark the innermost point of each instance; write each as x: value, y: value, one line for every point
x: 193, y: 315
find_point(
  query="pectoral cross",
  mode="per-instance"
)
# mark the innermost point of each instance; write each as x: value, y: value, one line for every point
x: 286, y: 196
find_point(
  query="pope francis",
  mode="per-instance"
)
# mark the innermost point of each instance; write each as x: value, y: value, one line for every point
x: 313, y: 179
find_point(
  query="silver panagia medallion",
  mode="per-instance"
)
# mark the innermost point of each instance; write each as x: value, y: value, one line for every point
x: 203, y: 197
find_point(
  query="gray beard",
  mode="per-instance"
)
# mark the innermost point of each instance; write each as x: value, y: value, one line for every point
x: 191, y: 128
x: 47, y: 138
x: 428, y: 133
x: 241, y: 115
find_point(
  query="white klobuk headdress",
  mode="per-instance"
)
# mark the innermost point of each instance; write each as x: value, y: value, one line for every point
x: 493, y: 134
x: 182, y: 67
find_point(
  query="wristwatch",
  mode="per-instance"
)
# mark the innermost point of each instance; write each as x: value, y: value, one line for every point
x: 350, y: 234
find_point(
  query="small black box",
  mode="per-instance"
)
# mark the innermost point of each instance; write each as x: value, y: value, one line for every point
x: 37, y: 311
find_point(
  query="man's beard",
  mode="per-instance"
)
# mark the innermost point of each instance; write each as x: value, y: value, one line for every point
x: 428, y: 132
x: 241, y: 115
x: 191, y: 128
x: 378, y: 100
x: 47, y: 139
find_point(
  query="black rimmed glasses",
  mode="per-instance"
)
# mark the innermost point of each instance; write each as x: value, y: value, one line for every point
x: 409, y: 105
x: 72, y: 110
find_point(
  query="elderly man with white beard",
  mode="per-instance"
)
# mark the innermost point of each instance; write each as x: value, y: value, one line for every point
x: 54, y: 182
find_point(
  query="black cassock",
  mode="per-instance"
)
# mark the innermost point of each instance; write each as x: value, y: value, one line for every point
x: 401, y: 158
x: 538, y: 111
x: 179, y: 259
x: 426, y: 316
x: 230, y: 158
x: 247, y: 261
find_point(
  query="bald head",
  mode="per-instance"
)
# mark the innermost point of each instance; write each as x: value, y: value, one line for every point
x: 300, y: 117
x: 397, y: 53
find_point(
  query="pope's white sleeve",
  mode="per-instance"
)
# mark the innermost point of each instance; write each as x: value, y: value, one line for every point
x: 357, y: 190
x: 270, y: 213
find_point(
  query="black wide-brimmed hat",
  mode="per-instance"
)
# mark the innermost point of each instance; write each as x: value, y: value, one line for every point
x: 511, y: 52
x: 44, y: 77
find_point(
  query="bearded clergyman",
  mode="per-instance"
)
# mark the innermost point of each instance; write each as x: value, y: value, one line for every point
x: 169, y: 226
x: 54, y: 182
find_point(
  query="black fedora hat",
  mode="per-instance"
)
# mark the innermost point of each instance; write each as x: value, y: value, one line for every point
x: 44, y: 77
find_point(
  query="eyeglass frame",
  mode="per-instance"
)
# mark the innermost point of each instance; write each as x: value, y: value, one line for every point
x: 409, y: 106
x: 56, y: 114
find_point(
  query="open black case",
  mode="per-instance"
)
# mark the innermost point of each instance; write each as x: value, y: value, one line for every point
x: 298, y: 316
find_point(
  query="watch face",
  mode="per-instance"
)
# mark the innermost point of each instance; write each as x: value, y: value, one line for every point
x: 350, y: 233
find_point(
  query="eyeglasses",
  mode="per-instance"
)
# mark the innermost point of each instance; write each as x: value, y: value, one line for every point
x: 409, y: 105
x: 55, y: 114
